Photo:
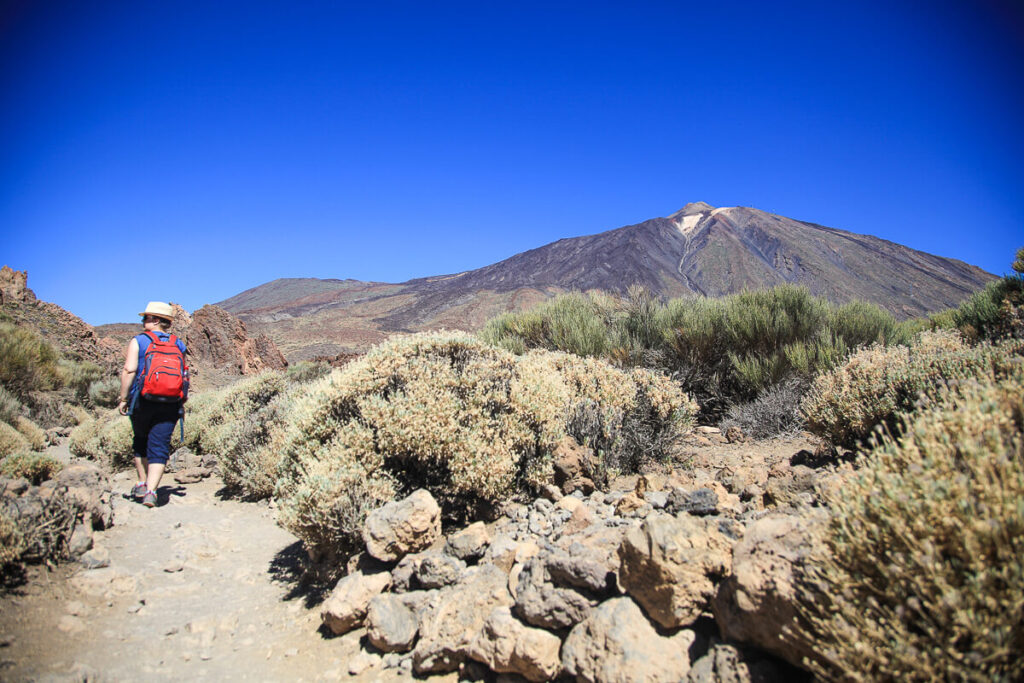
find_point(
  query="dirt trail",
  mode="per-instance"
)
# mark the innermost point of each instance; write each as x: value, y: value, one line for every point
x: 200, y: 587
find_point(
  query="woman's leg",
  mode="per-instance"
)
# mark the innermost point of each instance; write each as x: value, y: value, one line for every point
x: 158, y: 445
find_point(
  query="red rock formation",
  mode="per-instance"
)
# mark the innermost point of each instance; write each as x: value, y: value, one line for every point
x: 218, y: 339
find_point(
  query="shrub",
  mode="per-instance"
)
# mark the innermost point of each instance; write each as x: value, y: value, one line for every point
x: 10, y: 406
x: 213, y: 419
x: 250, y: 464
x: 776, y: 411
x: 721, y: 351
x: 35, y: 436
x: 877, y: 383
x: 993, y: 312
x: 443, y: 411
x: 79, y: 375
x: 81, y: 436
x: 35, y: 467
x: 27, y: 362
x: 11, y: 440
x: 12, y: 542
x: 105, y: 392
x: 307, y: 371
x: 925, y: 577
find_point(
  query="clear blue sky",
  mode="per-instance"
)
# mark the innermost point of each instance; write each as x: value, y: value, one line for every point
x: 391, y: 140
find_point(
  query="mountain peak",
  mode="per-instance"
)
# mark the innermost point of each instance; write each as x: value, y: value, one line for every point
x: 692, y: 209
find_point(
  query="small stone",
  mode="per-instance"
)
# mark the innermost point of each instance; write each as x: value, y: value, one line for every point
x: 70, y: 624
x: 97, y: 558
x: 363, y: 661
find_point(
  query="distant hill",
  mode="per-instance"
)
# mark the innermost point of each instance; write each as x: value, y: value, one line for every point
x: 699, y: 250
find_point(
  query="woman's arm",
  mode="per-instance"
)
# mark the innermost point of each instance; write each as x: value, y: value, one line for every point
x: 131, y: 366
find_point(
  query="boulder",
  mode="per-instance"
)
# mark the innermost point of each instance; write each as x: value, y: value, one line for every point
x: 507, y: 646
x: 725, y: 663
x: 391, y: 625
x: 402, y: 527
x: 668, y: 565
x: 572, y: 464
x: 346, y: 607
x: 756, y: 602
x: 501, y: 552
x: 450, y: 625
x: 436, y: 569
x: 89, y: 487
x: 539, y: 603
x: 617, y: 643
x: 470, y: 543
x: 582, y: 567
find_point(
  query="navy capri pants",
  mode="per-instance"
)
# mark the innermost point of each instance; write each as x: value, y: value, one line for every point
x: 153, y: 424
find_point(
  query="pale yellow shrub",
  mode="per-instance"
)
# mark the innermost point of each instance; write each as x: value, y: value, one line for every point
x: 11, y: 440
x: 877, y: 383
x: 12, y: 542
x: 35, y: 467
x: 211, y: 418
x: 35, y: 436
x: 925, y: 578
x: 470, y: 422
x: 86, y: 430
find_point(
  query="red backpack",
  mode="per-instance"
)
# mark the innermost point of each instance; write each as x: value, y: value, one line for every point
x: 164, y: 372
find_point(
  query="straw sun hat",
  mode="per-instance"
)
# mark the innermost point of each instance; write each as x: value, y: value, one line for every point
x: 159, y: 309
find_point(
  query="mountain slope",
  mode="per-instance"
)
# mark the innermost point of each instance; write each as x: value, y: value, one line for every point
x: 696, y: 250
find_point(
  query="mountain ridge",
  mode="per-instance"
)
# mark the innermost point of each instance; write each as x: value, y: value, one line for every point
x: 697, y: 250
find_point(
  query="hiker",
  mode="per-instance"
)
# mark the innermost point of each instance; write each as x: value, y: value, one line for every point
x: 154, y: 388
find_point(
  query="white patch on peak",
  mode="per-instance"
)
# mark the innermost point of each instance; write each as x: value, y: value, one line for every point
x: 687, y: 224
x: 720, y: 210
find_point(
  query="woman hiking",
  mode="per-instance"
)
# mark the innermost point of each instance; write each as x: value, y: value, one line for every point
x: 154, y: 388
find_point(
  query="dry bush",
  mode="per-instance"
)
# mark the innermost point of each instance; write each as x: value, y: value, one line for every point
x: 444, y: 411
x: 250, y: 464
x: 776, y: 411
x: 107, y: 437
x: 86, y: 430
x: 212, y: 418
x: 11, y: 440
x: 10, y: 406
x: 926, y: 575
x: 35, y: 467
x: 12, y: 543
x: 44, y: 523
x: 27, y: 361
x: 105, y: 392
x: 877, y: 383
x: 35, y: 436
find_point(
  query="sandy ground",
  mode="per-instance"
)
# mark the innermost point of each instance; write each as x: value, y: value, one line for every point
x: 199, y: 588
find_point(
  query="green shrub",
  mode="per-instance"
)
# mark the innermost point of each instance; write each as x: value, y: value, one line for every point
x: 105, y: 392
x: 721, y: 351
x: 11, y: 440
x: 10, y: 406
x: 924, y: 579
x: 27, y: 362
x: 307, y: 371
x: 213, y: 420
x: 470, y: 422
x: 35, y: 436
x: 35, y: 467
x: 993, y: 312
x: 79, y: 375
x: 107, y: 438
x: 250, y: 463
x: 876, y: 384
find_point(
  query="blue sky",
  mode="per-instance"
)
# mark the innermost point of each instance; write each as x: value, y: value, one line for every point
x: 391, y: 140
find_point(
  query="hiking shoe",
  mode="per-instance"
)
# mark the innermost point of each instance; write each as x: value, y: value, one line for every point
x: 138, y: 491
x: 149, y: 500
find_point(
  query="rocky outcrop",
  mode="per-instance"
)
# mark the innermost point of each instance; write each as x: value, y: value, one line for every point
x: 14, y: 287
x: 347, y: 605
x: 505, y: 645
x: 217, y: 339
